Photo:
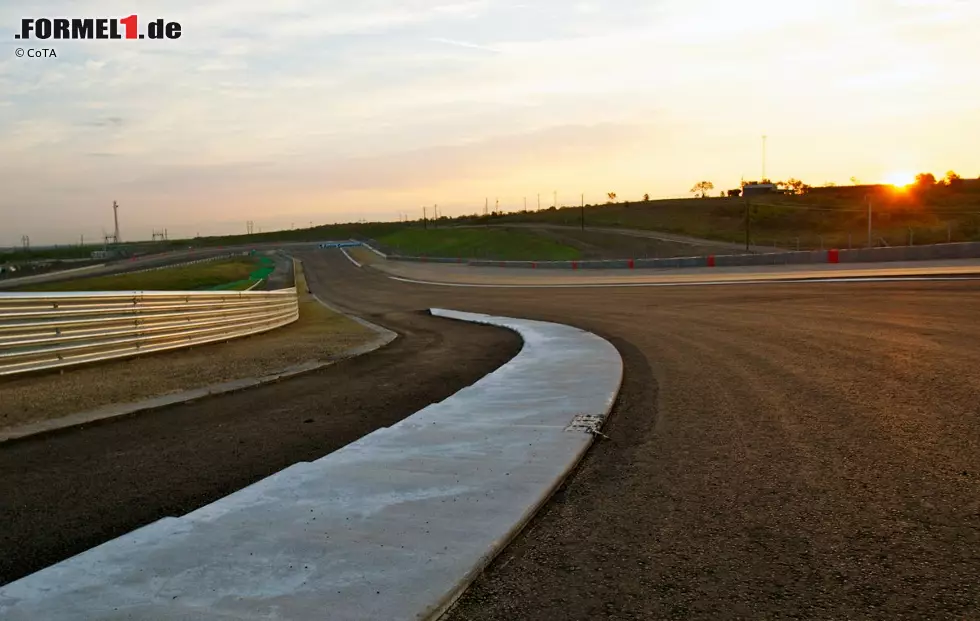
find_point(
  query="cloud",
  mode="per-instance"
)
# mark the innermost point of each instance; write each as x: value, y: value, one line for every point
x: 110, y: 121
x: 472, y: 46
x: 304, y: 103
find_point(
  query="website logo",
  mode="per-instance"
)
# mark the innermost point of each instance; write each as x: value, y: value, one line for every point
x: 76, y: 29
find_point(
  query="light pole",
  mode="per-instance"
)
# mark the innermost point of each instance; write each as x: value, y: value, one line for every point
x: 764, y: 158
x: 583, y: 211
x: 748, y: 231
x: 868, y: 197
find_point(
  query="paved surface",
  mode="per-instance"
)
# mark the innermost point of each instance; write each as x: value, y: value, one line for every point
x: 282, y: 277
x: 389, y: 527
x: 777, y: 451
x: 152, y: 261
x: 64, y: 493
x: 510, y: 277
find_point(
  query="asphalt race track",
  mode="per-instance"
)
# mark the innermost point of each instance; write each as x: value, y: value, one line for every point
x: 777, y: 451
x: 63, y: 493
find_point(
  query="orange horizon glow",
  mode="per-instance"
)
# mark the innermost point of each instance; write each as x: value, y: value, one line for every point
x: 901, y: 179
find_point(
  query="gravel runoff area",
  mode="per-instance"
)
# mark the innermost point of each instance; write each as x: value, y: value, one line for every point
x: 318, y: 335
x: 778, y: 451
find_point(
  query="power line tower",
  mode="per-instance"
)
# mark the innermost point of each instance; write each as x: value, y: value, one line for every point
x: 250, y: 227
x: 160, y: 235
x: 115, y: 217
x: 25, y: 241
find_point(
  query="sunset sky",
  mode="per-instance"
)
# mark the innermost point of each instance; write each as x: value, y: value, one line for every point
x: 310, y: 110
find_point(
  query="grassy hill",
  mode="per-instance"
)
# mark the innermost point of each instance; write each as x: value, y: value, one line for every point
x: 477, y: 243
x: 827, y: 217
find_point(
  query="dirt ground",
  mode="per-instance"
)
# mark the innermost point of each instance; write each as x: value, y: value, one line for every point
x: 319, y: 335
x: 64, y: 493
x: 777, y: 451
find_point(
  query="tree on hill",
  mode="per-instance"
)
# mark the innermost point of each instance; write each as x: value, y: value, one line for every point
x: 702, y: 187
x: 612, y: 197
x: 925, y: 180
x: 646, y: 198
x: 796, y: 185
x: 953, y: 180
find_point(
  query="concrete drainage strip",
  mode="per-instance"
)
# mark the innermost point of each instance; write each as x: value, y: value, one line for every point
x: 394, y: 526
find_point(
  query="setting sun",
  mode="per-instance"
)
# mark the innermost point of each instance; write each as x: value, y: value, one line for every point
x: 900, y: 179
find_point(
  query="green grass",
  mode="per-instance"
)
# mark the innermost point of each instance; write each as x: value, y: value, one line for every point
x: 185, y: 278
x: 477, y: 243
x: 264, y: 267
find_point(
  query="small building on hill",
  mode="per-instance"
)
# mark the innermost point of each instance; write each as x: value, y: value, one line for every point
x: 759, y: 189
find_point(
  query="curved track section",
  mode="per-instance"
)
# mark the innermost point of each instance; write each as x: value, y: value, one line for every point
x: 390, y: 527
x: 64, y: 493
x: 777, y: 451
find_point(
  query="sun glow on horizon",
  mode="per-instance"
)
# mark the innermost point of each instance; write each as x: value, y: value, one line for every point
x: 900, y: 179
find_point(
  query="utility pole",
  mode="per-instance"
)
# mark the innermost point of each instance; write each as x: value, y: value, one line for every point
x: 525, y: 203
x: 748, y: 231
x: 764, y: 158
x: 869, y: 220
x: 425, y: 218
x: 556, y: 199
x: 486, y: 206
x: 583, y: 211
x: 539, y: 202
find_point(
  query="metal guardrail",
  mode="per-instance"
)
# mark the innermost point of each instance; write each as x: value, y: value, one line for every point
x: 931, y: 252
x: 41, y: 331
